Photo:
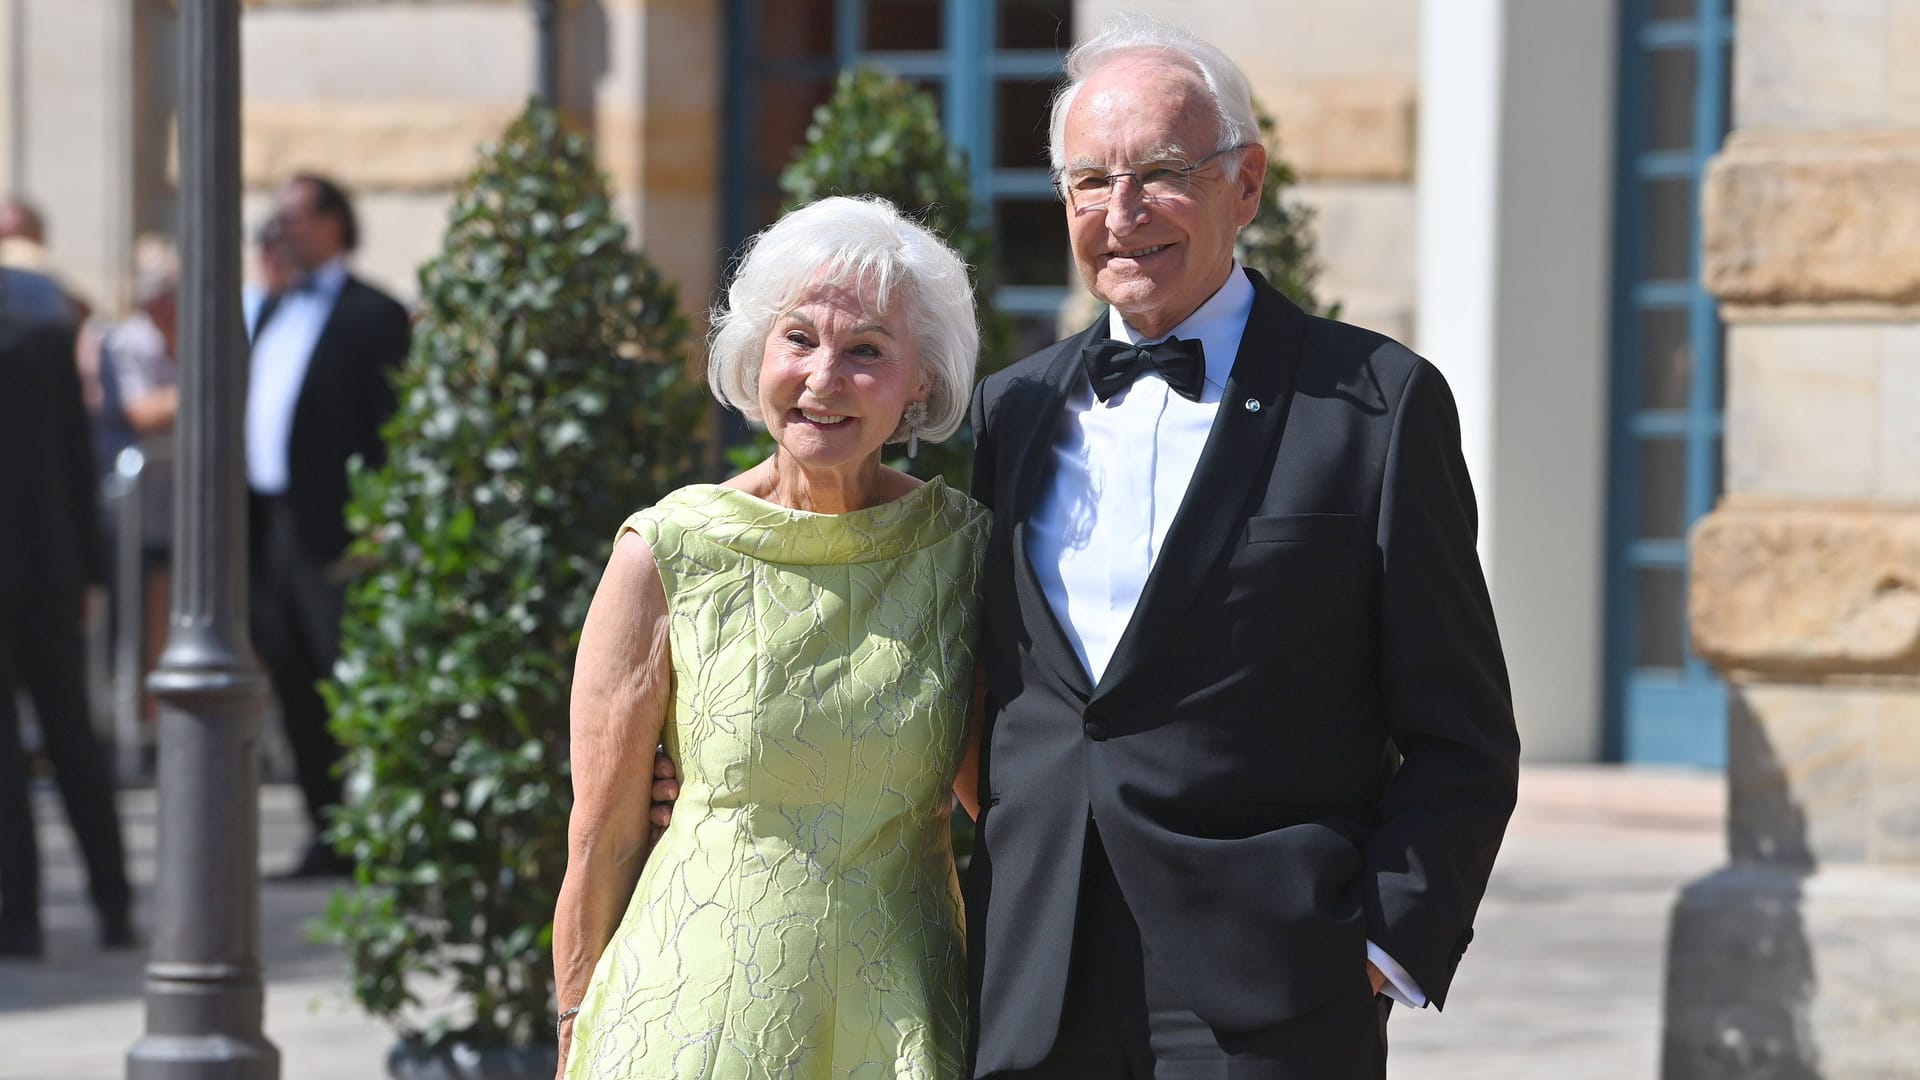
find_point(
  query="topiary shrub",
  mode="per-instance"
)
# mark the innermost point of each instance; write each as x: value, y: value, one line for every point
x: 879, y: 135
x: 544, y: 400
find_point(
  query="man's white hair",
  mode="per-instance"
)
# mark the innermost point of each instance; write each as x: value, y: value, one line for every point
x: 866, y: 243
x: 1130, y: 34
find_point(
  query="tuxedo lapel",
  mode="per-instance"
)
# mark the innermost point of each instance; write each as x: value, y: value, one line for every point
x: 1032, y: 462
x: 1253, y: 412
x: 269, y: 304
x: 329, y: 340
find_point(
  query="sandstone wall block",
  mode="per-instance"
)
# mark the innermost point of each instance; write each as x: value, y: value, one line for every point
x: 418, y: 146
x: 1807, y: 592
x: 1346, y: 129
x: 1814, y: 218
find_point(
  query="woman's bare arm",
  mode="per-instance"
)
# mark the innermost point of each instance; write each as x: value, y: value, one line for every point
x: 622, y: 684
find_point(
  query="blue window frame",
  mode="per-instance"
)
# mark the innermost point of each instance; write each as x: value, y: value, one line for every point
x: 1663, y: 703
x: 992, y: 65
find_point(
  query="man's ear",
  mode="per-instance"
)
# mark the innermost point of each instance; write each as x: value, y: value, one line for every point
x: 1252, y: 179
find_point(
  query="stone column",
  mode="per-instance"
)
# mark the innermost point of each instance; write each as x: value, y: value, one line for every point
x: 657, y: 70
x: 1515, y: 177
x: 1799, y: 958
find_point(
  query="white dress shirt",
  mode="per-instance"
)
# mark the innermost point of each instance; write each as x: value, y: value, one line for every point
x: 281, y: 354
x: 1120, y: 470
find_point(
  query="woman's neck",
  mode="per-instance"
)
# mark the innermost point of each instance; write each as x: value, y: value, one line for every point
x: 825, y: 491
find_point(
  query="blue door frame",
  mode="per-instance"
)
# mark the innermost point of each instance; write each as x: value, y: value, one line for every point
x: 1663, y: 704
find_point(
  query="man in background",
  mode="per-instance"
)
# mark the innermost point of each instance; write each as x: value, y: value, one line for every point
x: 324, y: 350
x: 23, y: 246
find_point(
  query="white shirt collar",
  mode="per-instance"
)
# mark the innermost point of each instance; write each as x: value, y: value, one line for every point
x: 1218, y: 324
x: 330, y: 277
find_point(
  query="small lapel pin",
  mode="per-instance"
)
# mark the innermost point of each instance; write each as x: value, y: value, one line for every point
x: 1253, y: 405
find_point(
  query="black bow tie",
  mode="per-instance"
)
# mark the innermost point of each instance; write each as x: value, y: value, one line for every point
x: 1113, y: 365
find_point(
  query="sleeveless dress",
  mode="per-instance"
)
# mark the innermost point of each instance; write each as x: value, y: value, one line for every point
x: 801, y: 917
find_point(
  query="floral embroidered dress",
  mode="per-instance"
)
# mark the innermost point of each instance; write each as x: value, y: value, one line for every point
x: 801, y: 918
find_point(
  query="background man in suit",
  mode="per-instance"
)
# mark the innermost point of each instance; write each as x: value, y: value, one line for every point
x: 1249, y: 748
x: 323, y: 352
x: 49, y: 553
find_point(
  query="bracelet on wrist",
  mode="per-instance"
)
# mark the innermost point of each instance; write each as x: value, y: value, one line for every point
x: 564, y: 1017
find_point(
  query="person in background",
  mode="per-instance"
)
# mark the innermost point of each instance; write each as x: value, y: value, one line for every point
x: 23, y: 246
x: 324, y: 350
x: 49, y: 555
x: 139, y: 400
x: 273, y: 271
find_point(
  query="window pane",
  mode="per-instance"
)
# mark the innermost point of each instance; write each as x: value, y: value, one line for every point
x: 936, y: 89
x: 1035, y: 24
x: 1032, y: 238
x: 786, y: 108
x: 1666, y: 359
x: 1660, y: 617
x: 766, y: 209
x: 1672, y: 9
x: 1661, y: 476
x: 1667, y: 243
x: 903, y: 25
x: 792, y: 28
x: 1670, y: 81
x: 1020, y: 126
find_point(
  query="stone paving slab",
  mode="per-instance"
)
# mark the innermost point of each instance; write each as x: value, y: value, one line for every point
x: 1563, y: 979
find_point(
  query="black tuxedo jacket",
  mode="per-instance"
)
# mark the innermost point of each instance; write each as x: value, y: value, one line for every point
x: 50, y: 547
x: 346, y: 396
x: 1305, y: 738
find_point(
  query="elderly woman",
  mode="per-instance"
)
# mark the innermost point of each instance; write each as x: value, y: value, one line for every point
x: 802, y: 636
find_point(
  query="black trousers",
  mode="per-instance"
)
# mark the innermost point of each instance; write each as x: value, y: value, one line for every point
x: 295, y: 614
x: 43, y: 650
x: 1121, y: 1021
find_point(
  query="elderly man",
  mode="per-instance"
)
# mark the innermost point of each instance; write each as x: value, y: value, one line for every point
x: 1249, y: 748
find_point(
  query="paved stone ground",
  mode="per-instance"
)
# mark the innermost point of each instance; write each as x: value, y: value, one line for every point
x: 1563, y: 980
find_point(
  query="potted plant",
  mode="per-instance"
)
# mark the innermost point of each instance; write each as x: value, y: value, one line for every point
x: 544, y: 400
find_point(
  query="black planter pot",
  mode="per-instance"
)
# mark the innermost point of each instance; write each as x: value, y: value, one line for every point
x: 408, y: 1060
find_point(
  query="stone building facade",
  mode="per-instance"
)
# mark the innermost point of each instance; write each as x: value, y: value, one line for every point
x: 1798, y: 958
x: 1511, y: 187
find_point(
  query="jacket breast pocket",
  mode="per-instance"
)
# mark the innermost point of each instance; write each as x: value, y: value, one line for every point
x: 1304, y: 529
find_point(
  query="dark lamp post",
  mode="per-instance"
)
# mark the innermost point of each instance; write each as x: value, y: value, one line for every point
x: 546, y: 14
x: 203, y: 992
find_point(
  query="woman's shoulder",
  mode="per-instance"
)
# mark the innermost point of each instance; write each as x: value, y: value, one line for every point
x: 677, y: 513
x: 965, y: 512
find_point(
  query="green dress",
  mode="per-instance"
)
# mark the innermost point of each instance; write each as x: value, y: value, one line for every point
x: 801, y: 917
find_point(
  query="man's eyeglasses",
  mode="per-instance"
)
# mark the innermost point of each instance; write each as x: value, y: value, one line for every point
x: 1167, y: 178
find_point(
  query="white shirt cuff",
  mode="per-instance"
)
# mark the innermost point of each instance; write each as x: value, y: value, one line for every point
x: 1399, y: 985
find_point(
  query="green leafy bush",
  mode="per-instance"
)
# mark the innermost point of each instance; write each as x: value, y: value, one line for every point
x: 879, y: 135
x: 545, y: 399
x: 1280, y: 242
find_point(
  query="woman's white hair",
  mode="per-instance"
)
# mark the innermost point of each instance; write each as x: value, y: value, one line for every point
x: 1128, y: 33
x: 866, y: 243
